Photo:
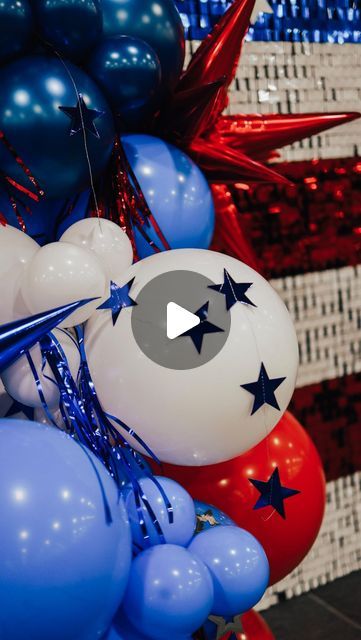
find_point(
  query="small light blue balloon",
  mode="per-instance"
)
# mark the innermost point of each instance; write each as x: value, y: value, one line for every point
x: 209, y: 516
x: 169, y: 593
x: 63, y: 566
x: 180, y: 531
x: 238, y: 566
x: 176, y: 191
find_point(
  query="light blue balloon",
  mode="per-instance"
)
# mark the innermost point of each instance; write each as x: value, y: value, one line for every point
x: 238, y: 566
x: 122, y: 629
x: 169, y: 593
x: 176, y: 191
x: 180, y: 531
x: 63, y: 567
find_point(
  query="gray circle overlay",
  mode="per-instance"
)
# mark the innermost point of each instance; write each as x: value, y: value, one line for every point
x: 149, y: 319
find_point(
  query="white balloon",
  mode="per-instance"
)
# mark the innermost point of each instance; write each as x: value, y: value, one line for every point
x: 60, y: 273
x: 16, y: 250
x: 106, y: 239
x: 41, y: 416
x: 19, y: 381
x: 202, y: 415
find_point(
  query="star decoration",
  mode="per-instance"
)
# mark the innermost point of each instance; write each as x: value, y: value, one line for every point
x: 119, y: 299
x: 272, y: 493
x: 197, y: 333
x: 19, y: 407
x: 263, y: 390
x: 261, y: 6
x: 233, y: 291
x: 82, y: 117
x: 223, y: 626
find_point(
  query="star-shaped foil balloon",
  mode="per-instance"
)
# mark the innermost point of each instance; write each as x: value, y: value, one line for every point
x: 233, y: 291
x: 198, y: 332
x: 263, y: 390
x: 82, y: 117
x: 119, y: 299
x: 224, y: 626
x: 273, y: 493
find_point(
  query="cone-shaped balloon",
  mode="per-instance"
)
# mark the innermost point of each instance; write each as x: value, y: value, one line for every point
x: 219, y: 53
x: 189, y: 114
x: 255, y: 134
x: 19, y: 336
x: 224, y: 165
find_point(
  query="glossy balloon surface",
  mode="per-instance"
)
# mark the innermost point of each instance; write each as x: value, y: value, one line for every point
x: 176, y: 191
x: 157, y: 22
x: 209, y: 516
x: 58, y: 550
x: 61, y: 272
x: 16, y: 23
x: 180, y: 530
x: 71, y: 26
x: 128, y: 70
x: 169, y: 593
x: 289, y: 448
x: 32, y: 90
x: 238, y: 566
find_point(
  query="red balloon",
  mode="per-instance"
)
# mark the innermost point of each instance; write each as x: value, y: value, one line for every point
x: 255, y: 628
x: 227, y: 486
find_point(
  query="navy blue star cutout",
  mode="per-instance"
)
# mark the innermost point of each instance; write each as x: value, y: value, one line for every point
x: 233, y: 291
x: 273, y: 493
x: 81, y: 116
x: 263, y: 390
x: 19, y: 407
x: 198, y: 332
x: 119, y: 299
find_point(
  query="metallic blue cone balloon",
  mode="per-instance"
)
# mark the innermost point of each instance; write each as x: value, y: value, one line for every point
x: 19, y: 336
x: 63, y: 568
x: 16, y: 24
x: 128, y: 71
x: 157, y: 22
x: 72, y: 27
x: 169, y: 593
x: 209, y: 516
x: 181, y: 528
x: 40, y: 114
x: 176, y: 191
x: 238, y: 566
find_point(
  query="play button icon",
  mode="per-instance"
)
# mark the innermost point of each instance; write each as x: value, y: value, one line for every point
x: 179, y: 320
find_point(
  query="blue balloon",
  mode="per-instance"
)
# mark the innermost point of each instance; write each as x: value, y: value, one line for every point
x: 128, y: 71
x: 122, y: 629
x: 63, y: 565
x: 169, y: 593
x: 16, y: 24
x: 40, y: 114
x: 156, y: 22
x: 238, y: 566
x: 180, y: 531
x: 209, y: 516
x: 71, y: 26
x: 176, y: 191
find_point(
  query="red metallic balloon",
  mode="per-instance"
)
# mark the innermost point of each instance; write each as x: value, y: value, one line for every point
x: 227, y: 486
x: 255, y: 628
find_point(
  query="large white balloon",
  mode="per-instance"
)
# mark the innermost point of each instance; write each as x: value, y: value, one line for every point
x: 201, y: 415
x: 19, y: 381
x: 16, y: 250
x: 60, y: 273
x: 106, y: 239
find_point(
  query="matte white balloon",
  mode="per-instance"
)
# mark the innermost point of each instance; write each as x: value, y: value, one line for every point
x: 16, y: 250
x: 202, y: 415
x: 60, y: 273
x: 19, y: 381
x: 106, y: 239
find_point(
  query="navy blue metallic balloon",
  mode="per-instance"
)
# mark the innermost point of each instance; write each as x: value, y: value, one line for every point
x: 63, y: 565
x: 72, y: 27
x: 157, y: 22
x: 16, y: 24
x: 128, y: 70
x: 209, y: 516
x: 40, y: 114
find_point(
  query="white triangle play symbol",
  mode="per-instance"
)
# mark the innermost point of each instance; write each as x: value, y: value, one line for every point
x: 179, y: 320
